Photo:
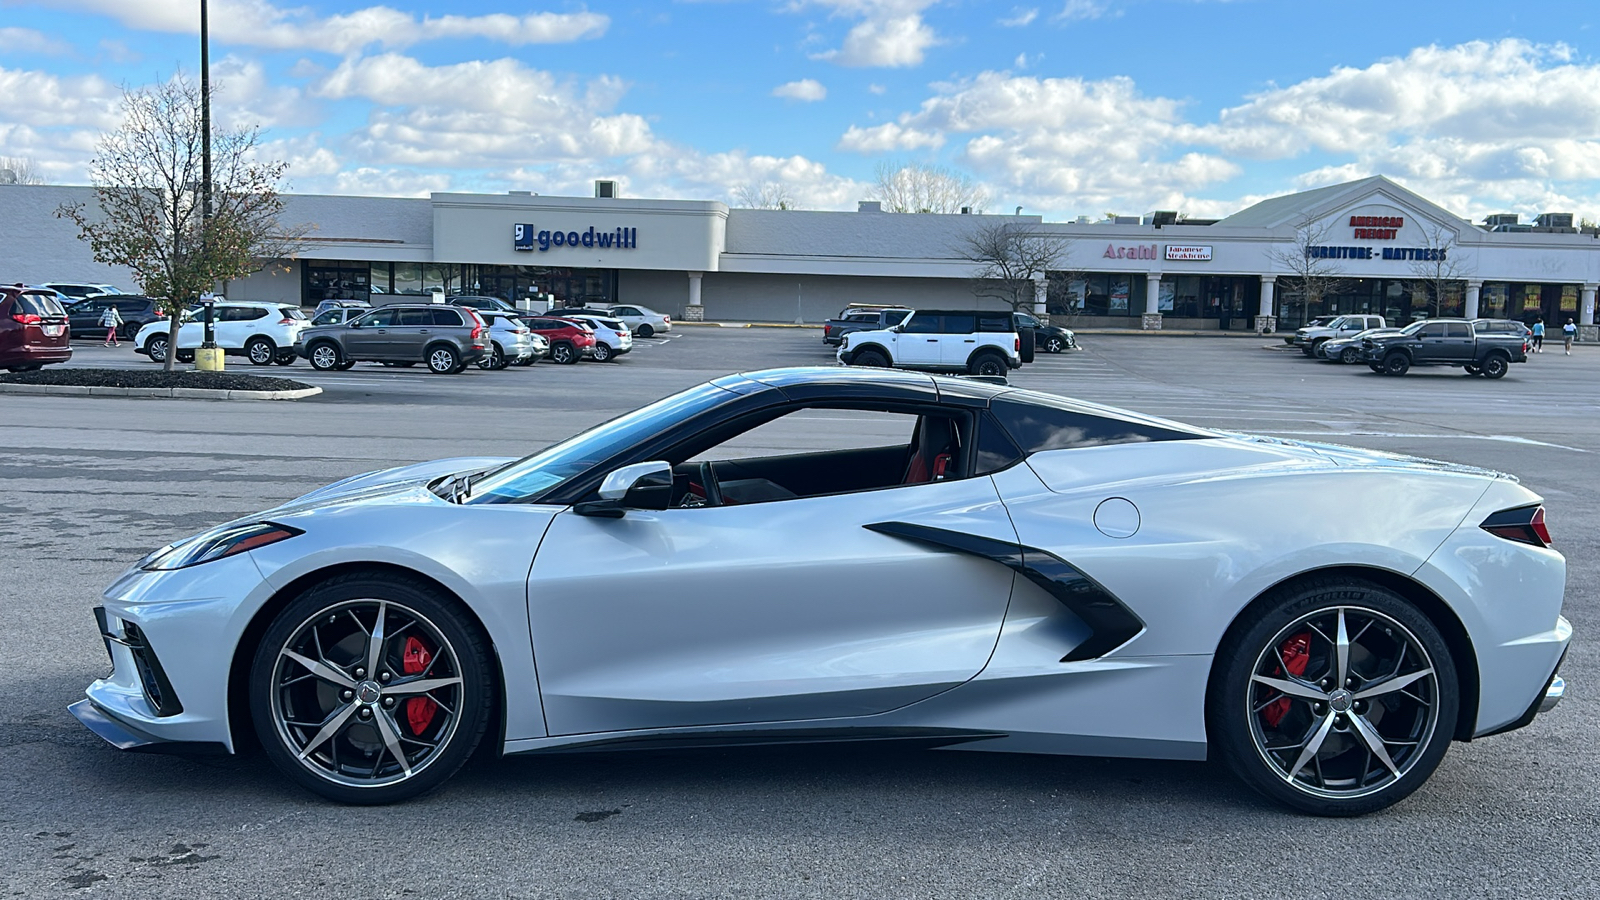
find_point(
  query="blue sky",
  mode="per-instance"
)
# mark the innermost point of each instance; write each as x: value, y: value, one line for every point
x: 1065, y: 107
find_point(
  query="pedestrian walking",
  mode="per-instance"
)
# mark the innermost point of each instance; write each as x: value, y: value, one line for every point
x: 1538, y: 335
x: 1569, y: 333
x: 111, y: 320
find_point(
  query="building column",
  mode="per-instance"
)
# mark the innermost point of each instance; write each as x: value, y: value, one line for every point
x: 1266, y: 318
x: 1474, y: 291
x: 1588, y: 331
x: 1151, y: 321
x: 1041, y: 291
x: 694, y: 312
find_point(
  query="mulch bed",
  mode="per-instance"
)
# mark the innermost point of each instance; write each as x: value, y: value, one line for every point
x: 151, y: 378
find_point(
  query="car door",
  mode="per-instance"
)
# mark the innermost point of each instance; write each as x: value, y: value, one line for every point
x: 409, y: 333
x: 1432, y: 346
x: 368, y: 340
x: 1457, y: 344
x: 240, y: 324
x: 787, y: 610
x: 918, y: 342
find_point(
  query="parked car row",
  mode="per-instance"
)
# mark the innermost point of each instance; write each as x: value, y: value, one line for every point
x: 1484, y: 347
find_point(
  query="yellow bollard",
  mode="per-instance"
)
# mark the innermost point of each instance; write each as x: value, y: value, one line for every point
x: 208, y: 359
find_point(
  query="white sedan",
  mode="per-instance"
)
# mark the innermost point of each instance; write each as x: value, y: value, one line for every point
x: 643, y: 321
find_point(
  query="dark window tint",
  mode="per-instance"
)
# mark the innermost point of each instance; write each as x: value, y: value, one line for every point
x: 414, y: 318
x: 626, y: 311
x: 895, y: 318
x: 997, y: 323
x: 250, y: 314
x: 379, y: 318
x: 994, y: 451
x: 39, y: 305
x: 291, y: 312
x: 1457, y: 330
x: 923, y: 324
x: 1026, y: 321
x: 132, y: 306
x: 959, y: 324
x: 1434, y: 330
x: 1037, y: 427
x: 448, y: 318
x: 330, y: 317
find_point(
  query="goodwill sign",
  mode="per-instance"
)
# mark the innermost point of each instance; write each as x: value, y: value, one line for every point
x: 525, y: 237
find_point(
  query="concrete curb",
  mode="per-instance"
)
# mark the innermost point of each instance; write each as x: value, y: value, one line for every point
x: 167, y: 393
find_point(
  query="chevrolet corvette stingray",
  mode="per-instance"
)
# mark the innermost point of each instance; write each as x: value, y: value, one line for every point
x: 953, y: 561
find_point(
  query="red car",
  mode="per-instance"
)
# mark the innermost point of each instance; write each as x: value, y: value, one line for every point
x: 569, y: 341
x: 33, y: 329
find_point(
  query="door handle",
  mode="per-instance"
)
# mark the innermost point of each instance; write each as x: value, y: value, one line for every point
x: 423, y: 331
x: 933, y: 340
x: 383, y: 331
x: 969, y: 340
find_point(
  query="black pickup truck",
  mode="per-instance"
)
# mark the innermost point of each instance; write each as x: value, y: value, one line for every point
x: 1444, y: 342
x: 861, y: 319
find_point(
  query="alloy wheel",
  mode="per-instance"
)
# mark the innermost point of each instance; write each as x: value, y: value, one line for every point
x: 442, y: 361
x: 158, y: 348
x: 1343, y: 702
x: 365, y: 693
x: 324, y: 356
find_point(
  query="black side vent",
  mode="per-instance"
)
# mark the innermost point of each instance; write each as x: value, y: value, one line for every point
x: 157, y: 689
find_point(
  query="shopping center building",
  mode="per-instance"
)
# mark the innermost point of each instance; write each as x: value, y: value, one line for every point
x: 1379, y: 248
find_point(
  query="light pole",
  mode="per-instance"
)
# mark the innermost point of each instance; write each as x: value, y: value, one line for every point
x: 205, y: 126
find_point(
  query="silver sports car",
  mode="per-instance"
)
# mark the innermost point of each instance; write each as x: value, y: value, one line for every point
x: 973, y: 566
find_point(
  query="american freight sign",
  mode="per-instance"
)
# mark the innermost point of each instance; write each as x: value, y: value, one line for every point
x: 526, y: 237
x: 1189, y: 252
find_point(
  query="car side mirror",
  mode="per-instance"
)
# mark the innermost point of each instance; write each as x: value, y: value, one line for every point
x: 646, y: 485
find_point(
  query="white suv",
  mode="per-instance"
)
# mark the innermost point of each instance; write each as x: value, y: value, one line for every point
x: 263, y: 332
x: 972, y: 341
x: 1311, y: 338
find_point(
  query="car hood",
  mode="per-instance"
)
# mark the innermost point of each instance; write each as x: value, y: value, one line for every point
x: 388, y: 483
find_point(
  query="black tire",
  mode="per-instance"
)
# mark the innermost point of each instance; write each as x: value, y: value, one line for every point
x: 646, y: 331
x: 871, y: 359
x: 1350, y: 355
x: 1472, y: 369
x: 564, y: 354
x: 260, y: 351
x: 442, y: 359
x: 1496, y: 366
x: 1375, y: 367
x: 186, y: 356
x: 1054, y: 344
x: 1305, y: 351
x: 458, y: 653
x: 986, y: 364
x: 1342, y: 776
x: 286, y: 358
x: 1316, y: 348
x: 157, y: 346
x: 324, y: 356
x: 345, y: 365
x: 494, y: 359
x: 1396, y: 364
x: 128, y: 330
x: 602, y: 352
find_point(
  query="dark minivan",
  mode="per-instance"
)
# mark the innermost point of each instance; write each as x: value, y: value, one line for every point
x: 33, y: 329
x: 136, y: 312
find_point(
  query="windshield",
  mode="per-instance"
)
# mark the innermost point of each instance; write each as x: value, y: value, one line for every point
x: 530, y: 477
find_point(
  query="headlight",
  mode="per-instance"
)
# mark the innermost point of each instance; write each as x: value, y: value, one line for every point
x: 217, y: 543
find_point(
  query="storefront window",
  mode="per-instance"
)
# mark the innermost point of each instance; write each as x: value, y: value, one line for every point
x: 408, y: 278
x: 382, y: 278
x: 1492, y: 300
x: 334, y: 280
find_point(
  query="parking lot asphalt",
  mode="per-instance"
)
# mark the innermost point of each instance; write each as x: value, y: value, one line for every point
x: 92, y: 483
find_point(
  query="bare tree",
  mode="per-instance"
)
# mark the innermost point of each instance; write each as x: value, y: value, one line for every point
x: 763, y: 195
x: 918, y: 188
x: 19, y: 170
x: 1311, y: 276
x: 149, y: 216
x: 1436, y: 271
x: 1011, y: 258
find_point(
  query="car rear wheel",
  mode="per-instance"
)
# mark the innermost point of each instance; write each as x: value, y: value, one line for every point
x: 158, y: 347
x: 370, y: 689
x: 442, y: 360
x: 260, y: 351
x: 564, y: 354
x: 324, y: 357
x: 1396, y: 364
x: 987, y: 364
x: 1337, y: 697
x: 646, y: 331
x: 602, y: 351
x: 1496, y: 366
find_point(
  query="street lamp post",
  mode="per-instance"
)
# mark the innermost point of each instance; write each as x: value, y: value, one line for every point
x: 205, y: 124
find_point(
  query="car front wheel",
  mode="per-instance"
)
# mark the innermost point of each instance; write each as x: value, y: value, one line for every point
x: 1396, y: 364
x: 370, y: 688
x: 1337, y: 698
x: 158, y: 347
x: 324, y: 357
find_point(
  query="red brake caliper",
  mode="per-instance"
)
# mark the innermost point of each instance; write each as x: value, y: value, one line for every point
x: 1295, y: 653
x: 420, y: 710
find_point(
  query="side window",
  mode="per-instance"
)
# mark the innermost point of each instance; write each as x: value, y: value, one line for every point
x: 626, y: 311
x: 1001, y: 323
x: 329, y: 317
x: 378, y: 318
x: 895, y: 318
x: 994, y: 450
x: 1036, y: 427
x: 960, y: 324
x: 448, y: 318
x: 1433, y: 330
x: 922, y: 324
x: 413, y: 318
x: 251, y: 313
x: 1457, y: 330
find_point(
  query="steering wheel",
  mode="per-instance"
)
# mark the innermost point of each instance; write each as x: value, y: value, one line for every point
x: 708, y: 481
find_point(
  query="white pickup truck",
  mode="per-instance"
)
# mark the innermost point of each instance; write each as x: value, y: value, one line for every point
x: 971, y: 341
x: 1311, y: 338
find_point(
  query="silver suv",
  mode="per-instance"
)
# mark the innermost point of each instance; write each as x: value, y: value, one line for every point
x: 446, y: 338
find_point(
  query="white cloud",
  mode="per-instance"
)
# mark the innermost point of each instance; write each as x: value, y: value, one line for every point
x: 260, y: 23
x: 806, y: 90
x: 1020, y: 17
x: 887, y: 138
x: 36, y: 43
x: 890, y: 33
x: 877, y: 88
x: 1084, y: 10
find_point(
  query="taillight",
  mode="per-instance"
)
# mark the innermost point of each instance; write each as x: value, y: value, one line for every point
x: 1017, y: 345
x: 667, y: 320
x: 285, y: 321
x: 1525, y: 525
x: 477, y: 332
x: 27, y: 318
